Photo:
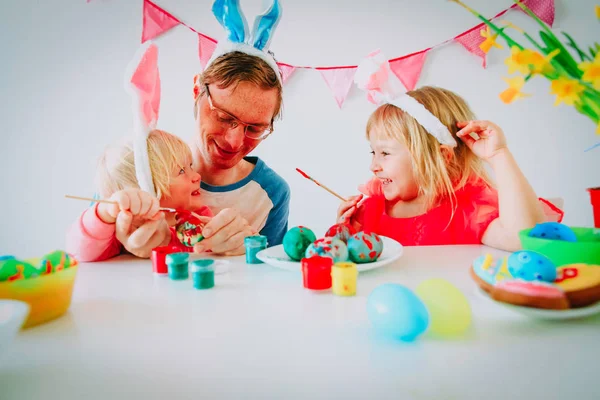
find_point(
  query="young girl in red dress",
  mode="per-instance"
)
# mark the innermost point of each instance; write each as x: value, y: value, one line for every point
x: 430, y: 185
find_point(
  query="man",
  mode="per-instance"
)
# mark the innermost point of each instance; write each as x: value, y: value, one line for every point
x: 237, y: 98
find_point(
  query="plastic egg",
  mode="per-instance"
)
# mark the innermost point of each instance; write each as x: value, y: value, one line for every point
x: 449, y: 310
x: 395, y: 311
x: 364, y: 247
x: 297, y: 240
x: 531, y: 266
x: 341, y: 231
x: 328, y: 247
x: 553, y: 231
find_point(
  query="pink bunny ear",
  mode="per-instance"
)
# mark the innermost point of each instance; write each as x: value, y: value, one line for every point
x: 142, y: 82
x: 146, y: 81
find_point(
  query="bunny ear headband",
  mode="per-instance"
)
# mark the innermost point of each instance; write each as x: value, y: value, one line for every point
x: 383, y: 87
x: 143, y: 85
x: 230, y: 16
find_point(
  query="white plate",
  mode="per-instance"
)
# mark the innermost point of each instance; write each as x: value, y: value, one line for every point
x: 540, y: 313
x: 275, y: 256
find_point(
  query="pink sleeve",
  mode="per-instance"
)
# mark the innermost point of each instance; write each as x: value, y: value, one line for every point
x: 91, y: 239
x: 479, y: 202
x: 485, y: 209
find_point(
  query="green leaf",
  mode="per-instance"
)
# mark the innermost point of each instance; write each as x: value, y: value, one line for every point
x: 593, y: 52
x: 573, y: 44
x: 563, y: 58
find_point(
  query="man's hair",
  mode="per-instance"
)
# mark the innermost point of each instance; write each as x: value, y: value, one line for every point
x: 232, y: 68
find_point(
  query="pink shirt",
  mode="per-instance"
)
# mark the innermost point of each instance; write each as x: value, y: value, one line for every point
x: 475, y: 208
x: 91, y: 239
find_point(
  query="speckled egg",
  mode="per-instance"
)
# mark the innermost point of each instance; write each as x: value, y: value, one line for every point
x: 531, y: 266
x: 341, y: 231
x: 553, y: 231
x: 296, y: 241
x: 328, y: 247
x: 364, y: 247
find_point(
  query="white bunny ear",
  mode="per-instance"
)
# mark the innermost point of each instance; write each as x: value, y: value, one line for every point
x: 230, y: 16
x: 143, y: 85
x: 264, y: 26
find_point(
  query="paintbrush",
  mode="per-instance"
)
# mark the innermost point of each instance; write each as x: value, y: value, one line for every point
x: 320, y: 184
x: 166, y: 209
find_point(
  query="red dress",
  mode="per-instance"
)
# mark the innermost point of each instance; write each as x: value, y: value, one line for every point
x: 476, y: 207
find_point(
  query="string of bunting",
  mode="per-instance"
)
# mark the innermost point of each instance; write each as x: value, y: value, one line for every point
x: 157, y: 21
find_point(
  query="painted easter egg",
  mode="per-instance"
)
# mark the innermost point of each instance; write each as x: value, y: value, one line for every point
x: 531, y: 266
x: 341, y: 231
x: 395, y: 311
x: 553, y: 231
x: 188, y: 228
x: 364, y: 247
x: 297, y: 240
x: 328, y: 247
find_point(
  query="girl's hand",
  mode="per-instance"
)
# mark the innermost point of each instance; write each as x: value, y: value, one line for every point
x: 491, y: 138
x: 347, y: 210
x: 141, y: 206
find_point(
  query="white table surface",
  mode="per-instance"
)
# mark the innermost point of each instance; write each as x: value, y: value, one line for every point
x: 258, y: 334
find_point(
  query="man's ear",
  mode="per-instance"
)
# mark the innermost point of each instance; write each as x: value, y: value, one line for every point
x: 447, y: 152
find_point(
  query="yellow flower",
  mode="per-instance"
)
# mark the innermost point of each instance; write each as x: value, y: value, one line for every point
x: 597, y: 9
x: 540, y: 64
x: 591, y: 71
x: 528, y: 61
x: 517, y: 61
x: 566, y: 90
x: 490, y: 40
x: 514, y: 90
x: 598, y: 129
x: 509, y: 24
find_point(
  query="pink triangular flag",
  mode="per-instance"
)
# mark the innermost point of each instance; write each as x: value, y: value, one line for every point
x: 156, y: 21
x: 206, y: 48
x: 286, y: 71
x: 147, y: 82
x: 408, y: 68
x: 339, y: 80
x: 544, y: 9
x: 471, y: 40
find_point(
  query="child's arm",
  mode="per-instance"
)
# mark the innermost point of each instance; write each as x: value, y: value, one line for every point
x: 91, y: 239
x: 518, y: 203
x: 93, y: 236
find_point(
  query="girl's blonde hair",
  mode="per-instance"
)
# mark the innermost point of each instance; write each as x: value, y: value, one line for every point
x: 438, y: 175
x: 116, y: 167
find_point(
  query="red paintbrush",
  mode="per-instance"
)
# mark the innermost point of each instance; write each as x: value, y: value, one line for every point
x: 318, y: 183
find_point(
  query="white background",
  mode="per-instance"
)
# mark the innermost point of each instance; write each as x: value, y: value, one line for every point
x: 62, y: 99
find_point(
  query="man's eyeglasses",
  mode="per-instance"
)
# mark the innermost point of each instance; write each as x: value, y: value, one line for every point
x: 256, y: 132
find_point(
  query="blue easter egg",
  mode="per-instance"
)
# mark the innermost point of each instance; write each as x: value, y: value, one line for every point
x: 531, y: 266
x: 395, y: 311
x: 553, y: 231
x: 364, y: 247
x: 6, y: 257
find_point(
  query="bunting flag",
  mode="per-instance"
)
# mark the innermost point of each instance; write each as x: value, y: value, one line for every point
x: 286, y: 71
x: 471, y: 40
x: 339, y: 80
x: 408, y: 68
x: 156, y: 21
x: 206, y: 48
x: 544, y: 9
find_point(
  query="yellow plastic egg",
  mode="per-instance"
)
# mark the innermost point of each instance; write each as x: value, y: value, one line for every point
x: 449, y: 310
